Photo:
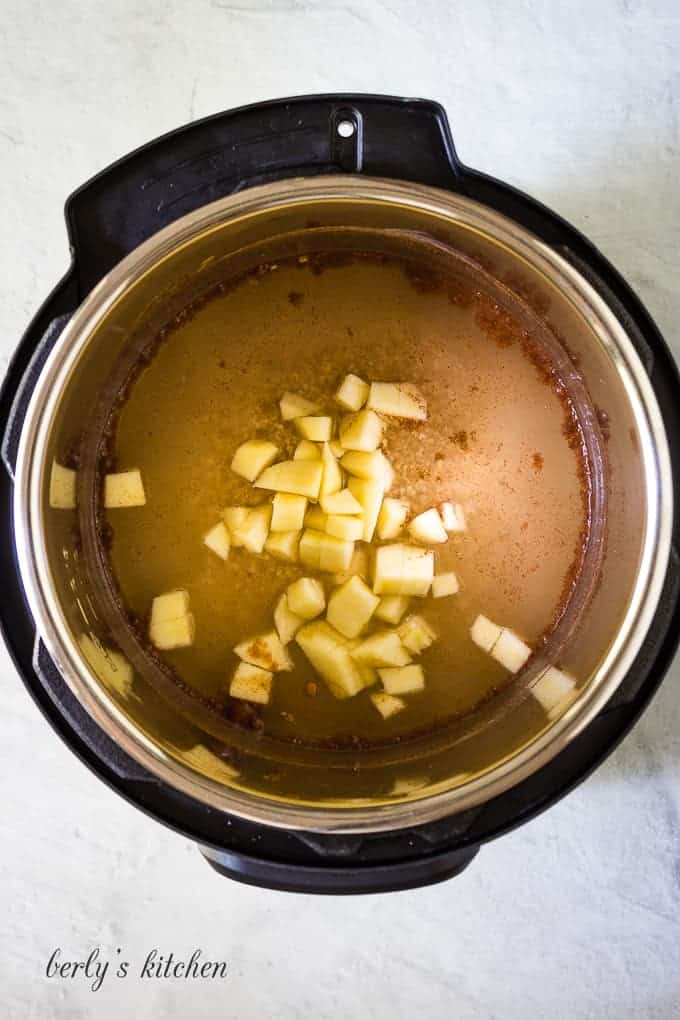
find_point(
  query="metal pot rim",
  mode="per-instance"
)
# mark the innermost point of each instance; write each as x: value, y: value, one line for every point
x: 49, y: 618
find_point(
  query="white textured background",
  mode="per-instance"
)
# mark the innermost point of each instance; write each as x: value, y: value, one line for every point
x: 574, y: 916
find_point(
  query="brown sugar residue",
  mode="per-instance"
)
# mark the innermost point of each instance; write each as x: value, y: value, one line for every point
x: 296, y: 297
x: 537, y: 461
x: 603, y: 422
x: 461, y: 439
x: 498, y: 324
x: 258, y: 650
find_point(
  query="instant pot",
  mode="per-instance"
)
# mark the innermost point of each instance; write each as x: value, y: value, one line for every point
x: 150, y: 233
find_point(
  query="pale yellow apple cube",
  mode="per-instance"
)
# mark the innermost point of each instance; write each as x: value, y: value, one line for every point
x: 300, y: 477
x: 251, y: 683
x: 266, y: 651
x: 286, y: 622
x: 384, y: 648
x: 352, y: 393
x: 369, y: 494
x: 316, y: 519
x: 340, y: 526
x: 428, y: 528
x: 171, y: 605
x: 124, y: 489
x: 252, y: 533
x: 336, y: 449
x: 351, y: 606
x: 510, y: 651
x: 253, y: 457
x: 309, y: 549
x: 402, y: 570
x: 218, y: 540
x: 391, y: 518
x: 331, y: 480
x: 234, y: 517
x: 283, y: 545
x: 387, y: 704
x: 169, y: 634
x: 403, y: 679
x: 288, y: 512
x: 400, y: 400
x: 335, y: 554
x: 485, y: 633
x: 391, y: 608
x: 416, y: 634
x: 305, y: 450
x: 306, y: 597
x: 292, y: 405
x: 361, y: 431
x: 327, y: 651
x: 342, y: 502
x: 453, y: 517
x: 445, y: 584
x: 62, y: 487
x: 316, y: 428
x: 554, y: 689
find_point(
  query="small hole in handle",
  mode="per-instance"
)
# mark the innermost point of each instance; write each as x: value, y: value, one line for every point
x: 345, y: 129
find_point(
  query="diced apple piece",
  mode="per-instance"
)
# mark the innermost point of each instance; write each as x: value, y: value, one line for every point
x: 351, y: 606
x: 393, y: 513
x: 328, y: 653
x: 307, y: 451
x: 444, y: 584
x: 383, y: 648
x: 300, y: 477
x: 402, y: 570
x: 171, y: 634
x: 124, y: 489
x: 400, y: 400
x: 352, y: 393
x: 265, y: 651
x: 388, y: 474
x: 387, y: 704
x: 218, y: 540
x: 315, y: 518
x: 416, y: 634
x: 62, y: 487
x: 251, y: 683
x: 361, y: 431
x: 359, y: 565
x: 428, y: 528
x: 252, y: 533
x: 336, y: 448
x: 341, y: 526
x: 331, y: 480
x: 306, y: 598
x: 453, y: 517
x: 234, y: 517
x: 336, y: 554
x: 342, y: 502
x: 111, y: 667
x: 171, y: 605
x: 403, y: 679
x: 510, y: 651
x: 286, y: 622
x: 391, y: 608
x: 370, y: 495
x: 253, y: 457
x: 309, y: 549
x: 372, y: 464
x: 283, y: 545
x: 316, y: 428
x: 369, y: 675
x: 292, y: 405
x: 553, y: 689
x: 485, y: 633
x: 288, y: 512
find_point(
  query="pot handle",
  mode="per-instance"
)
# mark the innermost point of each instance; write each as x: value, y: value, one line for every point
x: 383, y: 136
x: 333, y: 879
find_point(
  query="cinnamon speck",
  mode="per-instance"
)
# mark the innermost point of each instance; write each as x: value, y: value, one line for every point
x: 537, y: 461
x: 296, y: 297
x: 311, y: 689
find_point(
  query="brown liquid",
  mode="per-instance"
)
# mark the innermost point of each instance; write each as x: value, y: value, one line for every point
x: 499, y: 439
